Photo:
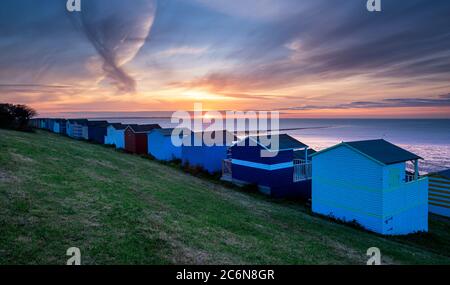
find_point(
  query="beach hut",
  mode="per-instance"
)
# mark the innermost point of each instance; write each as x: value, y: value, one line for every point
x: 286, y: 172
x: 51, y: 124
x: 56, y: 126
x: 77, y: 128
x: 37, y: 123
x: 97, y: 131
x: 59, y: 126
x: 42, y: 123
x: 115, y: 135
x: 136, y: 138
x: 439, y: 193
x: 366, y: 182
x: 161, y: 147
x: 208, y: 156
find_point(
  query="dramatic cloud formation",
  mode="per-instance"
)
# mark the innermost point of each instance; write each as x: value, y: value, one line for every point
x: 303, y: 56
x: 117, y: 30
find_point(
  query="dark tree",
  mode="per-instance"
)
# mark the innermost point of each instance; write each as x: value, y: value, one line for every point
x: 16, y: 117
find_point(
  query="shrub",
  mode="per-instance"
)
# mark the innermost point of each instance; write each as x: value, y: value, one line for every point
x: 16, y: 117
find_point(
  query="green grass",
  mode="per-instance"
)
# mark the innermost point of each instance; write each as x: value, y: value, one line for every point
x: 57, y: 193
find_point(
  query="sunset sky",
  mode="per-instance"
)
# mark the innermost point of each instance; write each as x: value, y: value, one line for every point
x: 305, y: 58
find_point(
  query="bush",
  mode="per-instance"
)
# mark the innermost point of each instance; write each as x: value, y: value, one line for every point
x: 16, y: 117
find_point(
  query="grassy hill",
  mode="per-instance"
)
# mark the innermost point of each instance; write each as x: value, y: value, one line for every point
x: 57, y: 193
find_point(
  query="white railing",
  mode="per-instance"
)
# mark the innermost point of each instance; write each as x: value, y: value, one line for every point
x: 226, y: 169
x: 409, y: 177
x: 302, y: 170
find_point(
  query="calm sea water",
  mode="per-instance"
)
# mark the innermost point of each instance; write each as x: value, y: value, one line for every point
x: 427, y: 138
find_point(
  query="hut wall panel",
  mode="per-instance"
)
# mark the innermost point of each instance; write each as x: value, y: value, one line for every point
x: 136, y: 142
x: 348, y: 186
x: 269, y: 178
x: 62, y: 128
x: 109, y: 137
x: 439, y: 196
x: 393, y: 168
x: 84, y: 132
x: 141, y: 143
x: 405, y: 209
x: 51, y: 125
x: 162, y: 148
x: 69, y: 129
x: 56, y: 127
x: 115, y: 137
x: 119, y: 139
x: 209, y: 158
x: 97, y: 134
x: 279, y: 183
x: 130, y: 141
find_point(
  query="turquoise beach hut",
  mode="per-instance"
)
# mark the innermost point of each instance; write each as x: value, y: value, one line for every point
x: 115, y: 135
x: 161, y: 147
x: 367, y: 182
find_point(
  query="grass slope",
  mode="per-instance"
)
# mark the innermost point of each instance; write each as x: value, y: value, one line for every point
x: 57, y: 193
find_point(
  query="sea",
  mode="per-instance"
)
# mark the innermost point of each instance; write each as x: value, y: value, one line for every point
x: 429, y: 138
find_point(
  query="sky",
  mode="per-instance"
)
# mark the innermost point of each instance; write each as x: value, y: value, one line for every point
x: 304, y: 58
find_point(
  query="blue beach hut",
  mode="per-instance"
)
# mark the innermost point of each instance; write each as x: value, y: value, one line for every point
x: 115, y: 135
x: 161, y: 147
x: 38, y: 123
x: 200, y: 153
x: 285, y: 172
x: 97, y: 131
x: 50, y: 124
x: 42, y: 123
x: 367, y: 182
x: 439, y: 193
x: 59, y: 126
x: 56, y: 127
x: 77, y: 128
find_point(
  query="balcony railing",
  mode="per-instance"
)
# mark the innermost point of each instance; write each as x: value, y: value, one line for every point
x: 409, y: 178
x: 302, y: 170
x: 226, y: 170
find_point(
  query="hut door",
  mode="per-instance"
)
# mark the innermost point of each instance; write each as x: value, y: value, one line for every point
x: 394, y: 178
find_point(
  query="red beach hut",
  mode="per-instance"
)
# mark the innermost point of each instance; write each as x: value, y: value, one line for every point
x: 136, y: 138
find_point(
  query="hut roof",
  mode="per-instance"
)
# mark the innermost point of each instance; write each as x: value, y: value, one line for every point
x: 167, y: 132
x: 97, y: 123
x: 444, y: 173
x: 300, y: 154
x: 379, y: 150
x: 78, y: 121
x: 143, y: 128
x: 285, y: 142
x: 227, y: 137
x: 118, y: 126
